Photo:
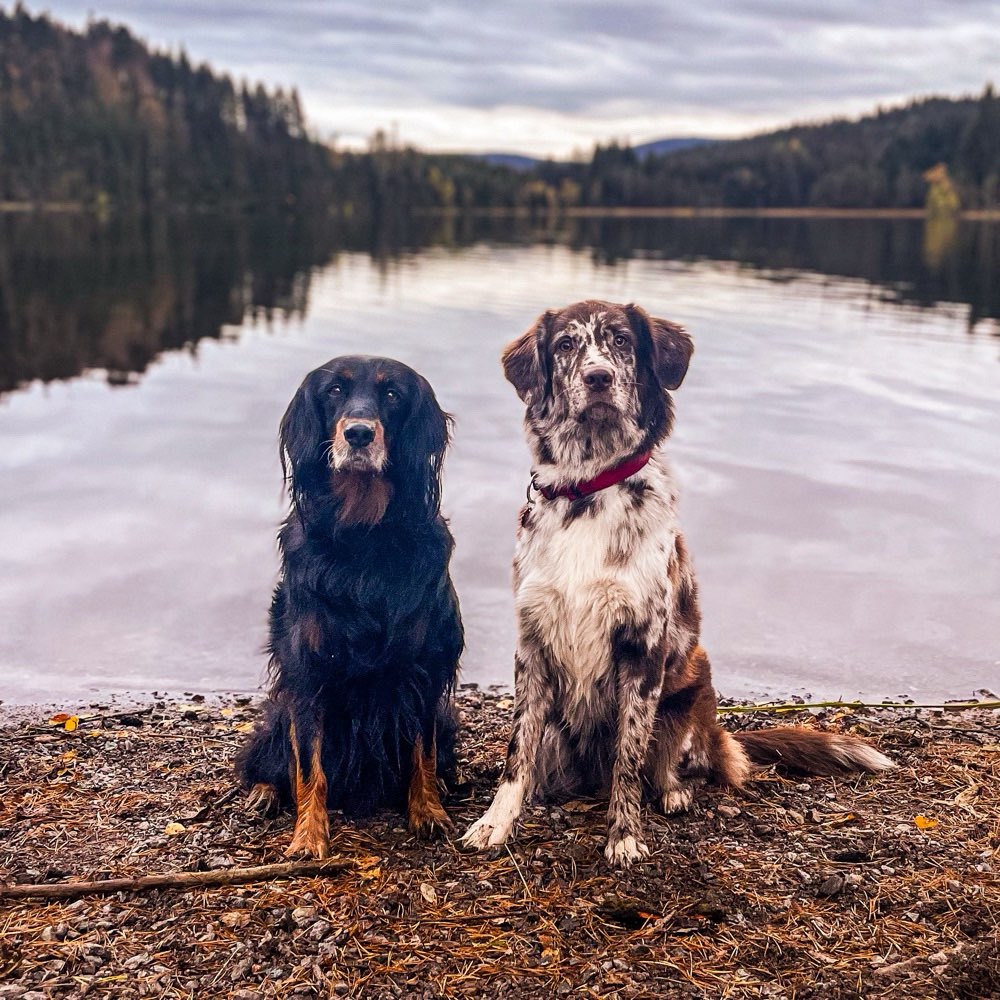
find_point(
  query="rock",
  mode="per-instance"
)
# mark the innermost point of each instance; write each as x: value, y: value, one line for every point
x: 729, y: 812
x: 831, y: 886
x: 304, y: 915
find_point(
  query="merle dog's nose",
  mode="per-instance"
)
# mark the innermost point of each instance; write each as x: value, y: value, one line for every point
x: 359, y: 434
x: 598, y: 379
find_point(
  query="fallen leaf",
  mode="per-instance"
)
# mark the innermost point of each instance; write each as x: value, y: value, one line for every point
x: 71, y: 723
x: 925, y: 822
x: 174, y: 829
x: 236, y: 918
x: 429, y: 893
x: 59, y: 718
x: 576, y: 806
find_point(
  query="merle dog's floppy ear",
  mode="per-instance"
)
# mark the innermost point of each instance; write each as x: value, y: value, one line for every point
x: 523, y: 360
x: 302, y: 437
x: 672, y: 346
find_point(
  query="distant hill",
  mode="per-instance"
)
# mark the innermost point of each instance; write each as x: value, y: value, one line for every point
x: 660, y: 147
x: 515, y: 161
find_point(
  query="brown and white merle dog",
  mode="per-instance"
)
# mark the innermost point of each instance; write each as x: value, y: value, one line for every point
x: 613, y: 691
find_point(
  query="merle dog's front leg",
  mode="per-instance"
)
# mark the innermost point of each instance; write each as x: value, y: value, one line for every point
x: 639, y: 679
x: 533, y: 697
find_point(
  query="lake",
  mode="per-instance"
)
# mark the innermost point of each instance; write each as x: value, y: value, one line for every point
x: 837, y: 439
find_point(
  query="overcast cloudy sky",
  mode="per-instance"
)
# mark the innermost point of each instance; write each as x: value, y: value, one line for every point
x: 550, y: 77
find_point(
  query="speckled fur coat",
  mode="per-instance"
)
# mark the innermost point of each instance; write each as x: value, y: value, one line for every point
x: 613, y: 691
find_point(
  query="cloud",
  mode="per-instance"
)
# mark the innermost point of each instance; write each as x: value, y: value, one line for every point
x: 545, y: 77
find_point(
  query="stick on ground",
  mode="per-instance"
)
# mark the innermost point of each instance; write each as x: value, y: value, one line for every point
x: 173, y: 880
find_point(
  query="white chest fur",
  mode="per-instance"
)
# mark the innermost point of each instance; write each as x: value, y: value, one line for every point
x: 578, y: 579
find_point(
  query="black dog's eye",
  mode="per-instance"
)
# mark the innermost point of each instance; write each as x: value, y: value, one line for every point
x: 566, y: 344
x: 336, y: 389
x: 620, y: 340
x: 391, y: 395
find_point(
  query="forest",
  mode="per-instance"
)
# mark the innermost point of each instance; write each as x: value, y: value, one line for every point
x: 99, y: 119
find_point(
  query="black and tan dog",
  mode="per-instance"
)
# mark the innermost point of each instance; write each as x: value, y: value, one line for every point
x: 613, y: 691
x: 365, y: 626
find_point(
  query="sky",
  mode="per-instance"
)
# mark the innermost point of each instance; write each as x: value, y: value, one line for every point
x: 553, y: 78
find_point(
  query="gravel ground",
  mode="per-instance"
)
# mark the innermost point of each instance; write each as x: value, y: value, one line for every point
x: 883, y: 886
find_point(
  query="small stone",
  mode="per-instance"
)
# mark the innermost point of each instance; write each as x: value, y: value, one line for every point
x: 303, y: 915
x: 804, y: 787
x: 832, y: 885
x: 795, y: 816
x: 319, y: 930
x: 729, y: 812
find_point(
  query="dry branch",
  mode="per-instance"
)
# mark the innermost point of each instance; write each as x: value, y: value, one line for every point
x: 173, y: 880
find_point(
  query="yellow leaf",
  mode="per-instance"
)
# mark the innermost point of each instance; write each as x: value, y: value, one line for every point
x: 71, y: 723
x: 243, y: 727
x: 925, y: 822
x: 227, y: 713
x: 174, y: 829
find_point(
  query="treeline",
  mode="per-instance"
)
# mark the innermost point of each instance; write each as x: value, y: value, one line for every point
x: 96, y: 117
x: 878, y: 161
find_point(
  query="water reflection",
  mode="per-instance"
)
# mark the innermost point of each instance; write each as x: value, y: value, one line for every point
x: 837, y: 452
x: 78, y: 294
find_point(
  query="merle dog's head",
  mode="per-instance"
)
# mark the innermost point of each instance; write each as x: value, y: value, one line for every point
x: 594, y: 377
x: 361, y: 433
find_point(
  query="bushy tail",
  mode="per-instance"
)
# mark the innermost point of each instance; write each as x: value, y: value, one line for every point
x: 809, y: 752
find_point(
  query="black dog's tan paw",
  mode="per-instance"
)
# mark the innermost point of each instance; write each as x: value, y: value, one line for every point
x: 430, y: 823
x: 262, y: 800
x: 311, y: 838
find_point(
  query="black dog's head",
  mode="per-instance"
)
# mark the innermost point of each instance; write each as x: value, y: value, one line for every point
x: 363, y: 433
x: 594, y: 377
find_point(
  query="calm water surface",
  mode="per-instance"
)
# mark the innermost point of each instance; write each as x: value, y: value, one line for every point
x: 837, y: 439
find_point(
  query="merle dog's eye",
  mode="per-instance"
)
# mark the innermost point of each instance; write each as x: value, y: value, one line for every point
x: 620, y: 340
x: 566, y: 344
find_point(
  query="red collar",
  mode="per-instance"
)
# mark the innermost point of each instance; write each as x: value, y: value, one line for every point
x: 608, y: 477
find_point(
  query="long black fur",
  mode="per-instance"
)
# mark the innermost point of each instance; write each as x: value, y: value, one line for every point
x: 389, y: 622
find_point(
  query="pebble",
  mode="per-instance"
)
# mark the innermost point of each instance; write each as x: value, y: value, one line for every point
x: 730, y: 812
x: 832, y: 885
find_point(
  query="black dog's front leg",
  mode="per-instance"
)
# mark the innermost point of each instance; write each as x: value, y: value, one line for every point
x: 639, y: 680
x: 311, y: 838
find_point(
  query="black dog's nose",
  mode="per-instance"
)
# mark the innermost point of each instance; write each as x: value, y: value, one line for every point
x: 359, y: 434
x: 598, y: 379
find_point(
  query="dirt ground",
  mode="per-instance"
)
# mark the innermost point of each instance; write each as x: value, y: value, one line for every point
x: 872, y: 887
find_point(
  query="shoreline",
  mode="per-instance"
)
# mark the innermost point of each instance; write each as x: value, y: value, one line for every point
x: 803, y: 887
x: 565, y: 212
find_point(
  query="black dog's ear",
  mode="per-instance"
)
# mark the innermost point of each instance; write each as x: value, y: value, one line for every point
x: 302, y: 437
x: 672, y: 346
x: 523, y: 360
x: 419, y: 450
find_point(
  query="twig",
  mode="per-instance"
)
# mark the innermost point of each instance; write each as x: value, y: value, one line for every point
x: 173, y: 880
x: 953, y: 706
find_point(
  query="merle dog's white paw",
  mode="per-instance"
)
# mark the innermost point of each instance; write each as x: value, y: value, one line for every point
x: 625, y: 852
x: 678, y: 800
x: 486, y: 832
